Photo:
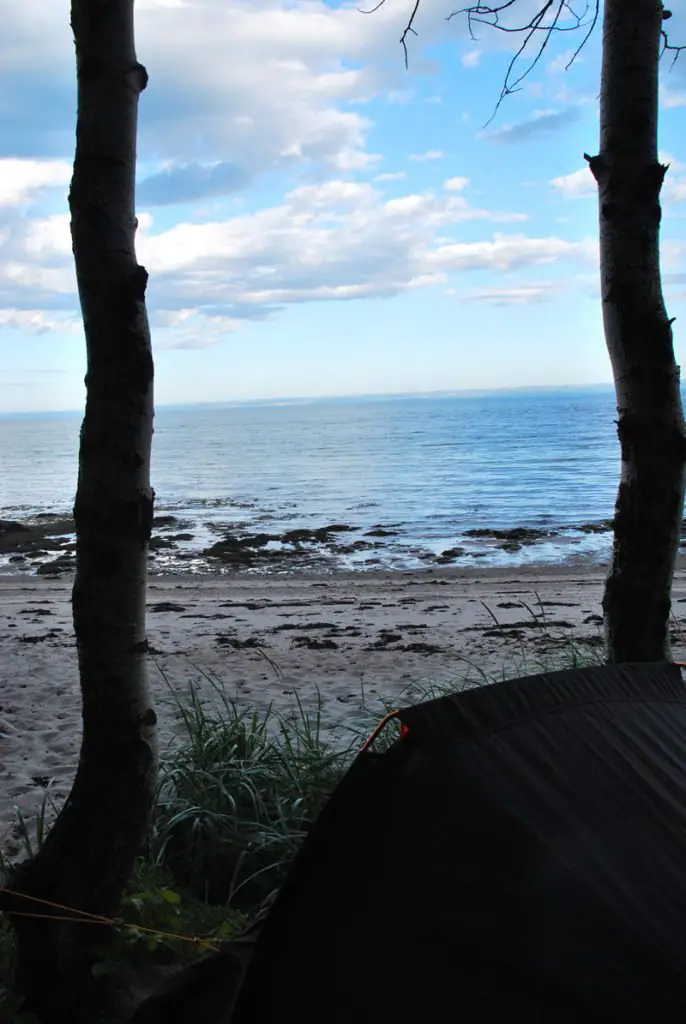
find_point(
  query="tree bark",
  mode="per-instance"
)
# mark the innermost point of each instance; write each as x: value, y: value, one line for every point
x: 647, y: 522
x: 90, y: 851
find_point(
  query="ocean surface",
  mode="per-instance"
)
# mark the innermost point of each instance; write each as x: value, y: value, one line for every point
x: 427, y: 469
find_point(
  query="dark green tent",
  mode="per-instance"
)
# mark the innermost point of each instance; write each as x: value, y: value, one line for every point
x: 520, y: 853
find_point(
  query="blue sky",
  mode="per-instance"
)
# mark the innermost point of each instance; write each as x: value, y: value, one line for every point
x: 315, y: 218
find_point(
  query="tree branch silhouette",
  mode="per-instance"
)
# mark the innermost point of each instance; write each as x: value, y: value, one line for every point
x: 551, y: 17
x: 407, y: 30
x: 666, y: 45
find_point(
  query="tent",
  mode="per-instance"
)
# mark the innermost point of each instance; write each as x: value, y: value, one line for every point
x: 519, y: 853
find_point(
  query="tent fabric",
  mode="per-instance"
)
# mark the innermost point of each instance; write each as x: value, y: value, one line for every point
x: 522, y: 851
x: 520, y: 854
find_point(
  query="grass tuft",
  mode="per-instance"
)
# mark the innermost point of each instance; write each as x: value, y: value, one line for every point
x: 238, y: 795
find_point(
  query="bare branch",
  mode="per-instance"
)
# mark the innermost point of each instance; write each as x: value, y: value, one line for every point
x: 667, y: 46
x: 547, y: 20
x: 409, y: 28
x: 491, y: 15
x: 380, y: 4
x: 594, y: 22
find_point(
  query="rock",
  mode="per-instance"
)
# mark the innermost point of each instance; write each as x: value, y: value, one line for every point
x: 419, y: 647
x: 259, y: 540
x: 55, y: 568
x: 243, y: 551
x: 238, y: 644
x: 450, y: 554
x: 230, y: 550
x: 601, y: 527
x: 381, y: 532
x: 388, y: 637
x: 504, y: 634
x: 181, y: 536
x: 157, y: 543
x: 160, y: 522
x: 520, y: 534
x: 313, y: 643
x: 385, y: 638
x: 166, y: 606
x: 357, y: 545
x: 300, y: 537
x: 48, y: 535
x: 11, y: 526
x: 17, y: 558
x: 321, y: 535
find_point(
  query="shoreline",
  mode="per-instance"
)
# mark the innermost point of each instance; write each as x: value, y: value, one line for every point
x: 45, y: 543
x: 343, y: 641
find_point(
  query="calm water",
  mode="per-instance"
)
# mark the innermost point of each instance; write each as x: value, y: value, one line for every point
x: 431, y: 466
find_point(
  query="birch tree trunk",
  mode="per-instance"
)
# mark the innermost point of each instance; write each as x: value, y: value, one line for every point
x: 650, y: 425
x: 90, y: 851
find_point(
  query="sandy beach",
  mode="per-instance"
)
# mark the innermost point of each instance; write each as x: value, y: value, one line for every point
x: 348, y: 639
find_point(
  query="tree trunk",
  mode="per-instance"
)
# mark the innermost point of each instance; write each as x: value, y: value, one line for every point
x: 91, y: 849
x: 650, y: 425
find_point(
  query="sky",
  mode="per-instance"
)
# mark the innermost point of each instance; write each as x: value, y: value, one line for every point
x: 316, y: 218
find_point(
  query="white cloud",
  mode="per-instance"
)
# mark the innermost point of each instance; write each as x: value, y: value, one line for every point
x: 674, y: 190
x: 22, y: 180
x: 670, y: 99
x: 48, y: 233
x: 171, y: 317
x: 293, y: 102
x: 671, y: 161
x: 577, y: 185
x: 35, y: 321
x: 455, y: 184
x: 559, y: 64
x: 520, y: 295
x: 431, y: 154
x: 332, y: 241
x: 471, y: 59
x: 267, y: 84
x: 510, y: 252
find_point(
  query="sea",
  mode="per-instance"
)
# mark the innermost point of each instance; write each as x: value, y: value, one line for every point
x: 425, y: 470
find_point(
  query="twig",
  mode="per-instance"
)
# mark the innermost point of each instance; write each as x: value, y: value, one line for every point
x: 406, y: 31
x: 666, y: 45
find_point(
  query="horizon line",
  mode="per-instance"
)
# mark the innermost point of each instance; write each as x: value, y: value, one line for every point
x: 350, y: 396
